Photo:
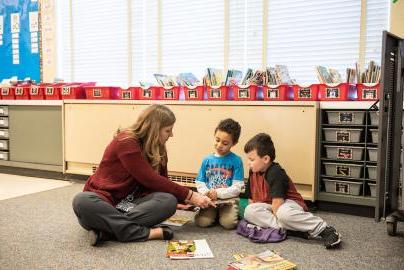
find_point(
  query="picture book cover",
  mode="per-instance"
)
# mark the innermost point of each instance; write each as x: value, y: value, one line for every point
x: 188, y: 249
x: 267, y: 260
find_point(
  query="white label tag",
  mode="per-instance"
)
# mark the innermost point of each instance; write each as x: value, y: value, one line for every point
x: 33, y: 21
x: 1, y: 145
x: 15, y: 22
x: 1, y: 25
x: 2, y: 133
x: 2, y: 122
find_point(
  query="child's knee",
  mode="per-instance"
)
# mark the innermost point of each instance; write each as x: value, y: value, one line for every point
x: 228, y: 223
x: 203, y: 221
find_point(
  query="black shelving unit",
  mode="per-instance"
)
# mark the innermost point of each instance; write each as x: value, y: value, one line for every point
x: 342, y: 176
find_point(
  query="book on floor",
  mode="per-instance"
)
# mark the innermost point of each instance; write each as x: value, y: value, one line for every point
x: 267, y: 260
x: 188, y: 249
x: 177, y: 220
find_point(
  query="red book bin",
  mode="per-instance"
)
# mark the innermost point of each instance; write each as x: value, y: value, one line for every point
x: 278, y: 92
x: 368, y: 91
x: 130, y: 93
x: 7, y: 92
x: 102, y: 92
x: 305, y: 92
x: 73, y: 91
x: 244, y: 92
x: 170, y: 93
x: 37, y: 91
x: 337, y: 92
x: 22, y: 91
x: 217, y: 92
x: 150, y: 93
x: 53, y: 91
x: 194, y: 92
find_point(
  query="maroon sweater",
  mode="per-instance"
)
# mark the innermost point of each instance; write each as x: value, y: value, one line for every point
x: 123, y: 169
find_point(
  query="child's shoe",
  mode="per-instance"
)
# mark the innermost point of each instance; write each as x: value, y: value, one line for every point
x: 331, y: 237
x: 304, y: 235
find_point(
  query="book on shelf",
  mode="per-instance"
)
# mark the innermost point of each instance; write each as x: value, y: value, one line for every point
x: 267, y: 260
x: 188, y: 249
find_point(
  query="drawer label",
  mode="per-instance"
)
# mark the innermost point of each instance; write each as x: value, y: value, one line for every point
x: 215, y: 93
x: 304, y: 93
x: 369, y: 94
x: 146, y: 93
x: 19, y: 91
x: 342, y: 187
x: 273, y: 93
x: 243, y: 93
x: 346, y: 117
x: 192, y: 94
x: 343, y: 170
x: 343, y: 136
x: 126, y: 95
x: 97, y: 92
x: 332, y: 92
x: 344, y: 153
x: 169, y: 94
x: 66, y: 91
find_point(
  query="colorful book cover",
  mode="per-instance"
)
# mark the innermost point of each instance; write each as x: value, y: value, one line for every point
x: 267, y: 260
x: 188, y: 249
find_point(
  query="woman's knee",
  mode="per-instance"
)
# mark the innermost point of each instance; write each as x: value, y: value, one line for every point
x: 168, y: 201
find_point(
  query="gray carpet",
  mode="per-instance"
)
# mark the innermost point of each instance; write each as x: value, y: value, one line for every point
x: 40, y: 231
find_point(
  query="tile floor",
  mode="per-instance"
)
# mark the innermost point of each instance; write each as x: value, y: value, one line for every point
x: 14, y: 185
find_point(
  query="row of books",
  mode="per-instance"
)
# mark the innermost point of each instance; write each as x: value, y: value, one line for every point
x: 371, y: 74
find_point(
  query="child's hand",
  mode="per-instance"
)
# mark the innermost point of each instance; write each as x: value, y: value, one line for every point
x: 212, y: 194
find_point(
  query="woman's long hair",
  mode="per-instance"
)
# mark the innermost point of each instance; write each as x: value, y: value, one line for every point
x: 147, y: 131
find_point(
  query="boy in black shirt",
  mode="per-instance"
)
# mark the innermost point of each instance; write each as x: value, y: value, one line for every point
x: 274, y: 200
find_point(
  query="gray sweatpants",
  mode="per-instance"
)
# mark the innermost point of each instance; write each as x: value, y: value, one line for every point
x: 94, y: 213
x: 290, y: 216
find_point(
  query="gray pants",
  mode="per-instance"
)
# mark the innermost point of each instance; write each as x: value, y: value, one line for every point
x: 290, y: 216
x: 94, y: 213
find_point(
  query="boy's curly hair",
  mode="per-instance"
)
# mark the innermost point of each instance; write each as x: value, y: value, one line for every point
x: 231, y: 127
x: 263, y: 144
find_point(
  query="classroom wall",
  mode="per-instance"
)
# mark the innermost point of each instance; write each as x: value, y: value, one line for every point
x: 397, y: 18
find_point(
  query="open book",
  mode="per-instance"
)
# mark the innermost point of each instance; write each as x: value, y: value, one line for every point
x: 177, y: 220
x: 267, y: 260
x: 188, y: 249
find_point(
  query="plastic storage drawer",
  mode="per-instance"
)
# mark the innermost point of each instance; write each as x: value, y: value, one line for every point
x: 3, y: 144
x: 372, y: 171
x: 4, y: 134
x: 372, y: 154
x: 346, y: 117
x: 3, y: 155
x: 375, y: 135
x: 374, y: 118
x: 372, y: 189
x: 3, y: 110
x: 344, y: 152
x: 343, y: 169
x: 343, y: 134
x: 344, y: 187
x: 3, y: 122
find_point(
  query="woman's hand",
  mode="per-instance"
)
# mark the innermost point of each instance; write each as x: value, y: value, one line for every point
x: 200, y: 200
x: 212, y: 194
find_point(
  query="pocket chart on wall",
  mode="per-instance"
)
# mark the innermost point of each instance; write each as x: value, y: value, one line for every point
x: 19, y: 39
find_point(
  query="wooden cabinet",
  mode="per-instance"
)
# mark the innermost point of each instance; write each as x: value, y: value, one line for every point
x: 90, y: 126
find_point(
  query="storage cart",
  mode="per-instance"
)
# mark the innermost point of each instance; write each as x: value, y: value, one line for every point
x: 389, y: 189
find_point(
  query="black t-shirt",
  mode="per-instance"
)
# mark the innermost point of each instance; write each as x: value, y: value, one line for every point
x: 277, y: 180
